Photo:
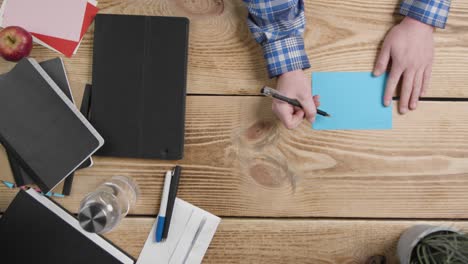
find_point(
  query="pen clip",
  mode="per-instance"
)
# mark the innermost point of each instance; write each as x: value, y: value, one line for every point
x: 175, y: 169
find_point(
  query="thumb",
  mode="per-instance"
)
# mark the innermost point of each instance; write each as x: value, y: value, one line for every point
x: 317, y: 101
x: 285, y: 113
x: 309, y: 108
x: 382, y: 61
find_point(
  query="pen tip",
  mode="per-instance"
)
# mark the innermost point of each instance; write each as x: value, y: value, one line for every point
x: 328, y: 115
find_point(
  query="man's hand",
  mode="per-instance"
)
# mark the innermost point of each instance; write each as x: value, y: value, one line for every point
x: 295, y: 85
x: 410, y: 45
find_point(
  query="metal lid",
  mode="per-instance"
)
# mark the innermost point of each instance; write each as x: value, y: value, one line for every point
x: 93, y: 218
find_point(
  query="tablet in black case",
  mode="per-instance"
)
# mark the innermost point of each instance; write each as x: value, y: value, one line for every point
x: 139, y: 85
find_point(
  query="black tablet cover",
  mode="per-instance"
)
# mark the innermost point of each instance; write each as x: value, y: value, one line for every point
x: 139, y: 85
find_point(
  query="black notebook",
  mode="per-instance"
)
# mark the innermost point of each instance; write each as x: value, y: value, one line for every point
x: 41, y: 128
x: 56, y: 70
x: 139, y: 84
x: 34, y: 229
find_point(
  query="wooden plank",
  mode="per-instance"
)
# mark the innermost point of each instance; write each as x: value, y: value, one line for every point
x: 223, y: 58
x: 241, y: 162
x: 287, y: 241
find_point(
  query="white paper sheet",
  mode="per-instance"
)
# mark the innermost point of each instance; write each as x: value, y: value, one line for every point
x: 186, y: 220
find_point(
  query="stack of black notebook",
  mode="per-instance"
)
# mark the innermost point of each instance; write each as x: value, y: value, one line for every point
x: 44, y: 134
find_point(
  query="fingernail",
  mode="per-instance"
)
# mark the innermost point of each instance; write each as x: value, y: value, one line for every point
x: 413, y: 105
x: 387, y: 102
x: 376, y: 72
x: 404, y: 110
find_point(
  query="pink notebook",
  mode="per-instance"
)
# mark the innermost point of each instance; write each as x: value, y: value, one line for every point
x: 56, y: 18
x: 67, y: 47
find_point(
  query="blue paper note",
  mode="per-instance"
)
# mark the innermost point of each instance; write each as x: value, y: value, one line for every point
x: 9, y: 184
x: 353, y: 99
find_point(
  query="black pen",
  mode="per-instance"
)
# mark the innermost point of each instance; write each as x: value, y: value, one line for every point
x: 171, y: 199
x: 275, y: 94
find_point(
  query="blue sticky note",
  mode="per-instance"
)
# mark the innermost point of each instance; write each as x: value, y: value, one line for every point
x: 353, y: 99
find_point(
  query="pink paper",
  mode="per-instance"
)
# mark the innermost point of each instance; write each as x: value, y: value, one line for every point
x: 55, y: 18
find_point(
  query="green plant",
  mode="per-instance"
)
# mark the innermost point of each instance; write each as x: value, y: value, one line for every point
x: 441, y: 248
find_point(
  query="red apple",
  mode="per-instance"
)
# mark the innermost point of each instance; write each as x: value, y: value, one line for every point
x: 15, y: 43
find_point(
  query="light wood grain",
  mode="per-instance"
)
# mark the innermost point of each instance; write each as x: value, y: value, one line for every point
x: 287, y: 241
x: 240, y: 161
x: 340, y: 36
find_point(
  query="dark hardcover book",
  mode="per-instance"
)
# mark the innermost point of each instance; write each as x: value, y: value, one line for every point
x: 84, y: 109
x: 139, y: 85
x: 41, y: 128
x: 56, y: 70
x: 19, y: 174
x: 34, y: 229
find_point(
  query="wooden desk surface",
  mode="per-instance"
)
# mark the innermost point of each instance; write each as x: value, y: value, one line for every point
x: 295, y: 196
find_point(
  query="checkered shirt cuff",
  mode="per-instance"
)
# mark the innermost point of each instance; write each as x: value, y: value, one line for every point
x: 285, y: 55
x: 431, y: 12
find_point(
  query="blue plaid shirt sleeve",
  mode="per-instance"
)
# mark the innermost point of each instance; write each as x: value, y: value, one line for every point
x: 431, y: 12
x: 278, y: 25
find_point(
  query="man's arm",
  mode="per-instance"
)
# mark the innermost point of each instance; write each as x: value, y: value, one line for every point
x: 431, y: 12
x: 278, y: 25
x: 410, y: 46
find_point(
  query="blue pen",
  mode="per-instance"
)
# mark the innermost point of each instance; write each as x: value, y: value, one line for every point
x: 163, y: 207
